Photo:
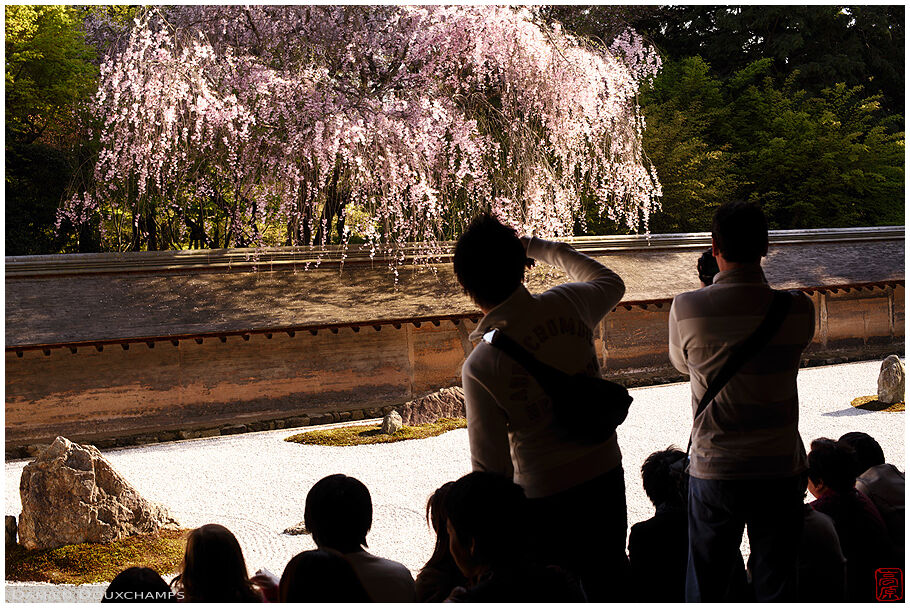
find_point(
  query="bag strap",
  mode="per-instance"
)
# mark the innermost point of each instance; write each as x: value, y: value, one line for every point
x: 517, y: 352
x: 746, y: 350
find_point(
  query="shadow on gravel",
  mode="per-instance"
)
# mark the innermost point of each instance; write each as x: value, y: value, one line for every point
x: 850, y: 411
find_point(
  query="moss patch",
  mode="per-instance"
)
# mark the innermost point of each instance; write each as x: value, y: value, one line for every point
x: 872, y: 404
x: 365, y: 435
x: 97, y: 563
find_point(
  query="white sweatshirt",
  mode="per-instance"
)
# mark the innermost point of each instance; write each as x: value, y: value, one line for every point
x: 510, y: 420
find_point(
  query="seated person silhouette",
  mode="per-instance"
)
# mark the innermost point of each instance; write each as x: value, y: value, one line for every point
x: 860, y: 529
x: 320, y: 575
x: 339, y: 513
x: 440, y: 574
x: 881, y: 483
x: 138, y: 585
x: 659, y: 547
x: 489, y: 536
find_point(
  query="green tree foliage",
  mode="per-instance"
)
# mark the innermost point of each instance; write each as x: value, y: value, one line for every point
x: 48, y: 68
x: 815, y: 161
x: 49, y: 71
x: 856, y: 45
x: 799, y: 108
x: 828, y: 160
x: 685, y: 108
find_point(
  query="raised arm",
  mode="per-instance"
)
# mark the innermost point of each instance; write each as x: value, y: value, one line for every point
x: 595, y: 289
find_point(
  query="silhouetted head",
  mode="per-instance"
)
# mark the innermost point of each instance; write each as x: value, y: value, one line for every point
x: 489, y: 261
x: 320, y: 576
x: 707, y: 268
x: 487, y: 521
x: 868, y: 452
x: 214, y: 569
x: 662, y: 484
x: 740, y: 232
x: 339, y: 513
x: 436, y: 517
x: 138, y: 585
x: 831, y: 467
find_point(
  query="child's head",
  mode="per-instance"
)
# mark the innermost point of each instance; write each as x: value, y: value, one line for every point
x: 831, y: 467
x: 339, y: 513
x: 662, y: 483
x: 868, y: 452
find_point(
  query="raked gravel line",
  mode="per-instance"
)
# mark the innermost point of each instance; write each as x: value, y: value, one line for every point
x: 255, y: 484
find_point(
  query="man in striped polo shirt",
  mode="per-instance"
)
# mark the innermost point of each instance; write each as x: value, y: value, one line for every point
x: 747, y: 462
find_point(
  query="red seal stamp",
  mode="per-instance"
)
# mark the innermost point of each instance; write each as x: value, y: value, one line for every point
x: 889, y: 585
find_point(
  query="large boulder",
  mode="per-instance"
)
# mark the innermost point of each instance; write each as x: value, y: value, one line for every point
x: 891, y: 380
x: 71, y: 494
x: 444, y: 403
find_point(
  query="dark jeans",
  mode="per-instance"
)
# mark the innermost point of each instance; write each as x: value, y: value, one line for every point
x: 771, y: 510
x: 583, y: 529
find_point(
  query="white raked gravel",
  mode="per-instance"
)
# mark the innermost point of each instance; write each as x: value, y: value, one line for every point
x: 256, y: 483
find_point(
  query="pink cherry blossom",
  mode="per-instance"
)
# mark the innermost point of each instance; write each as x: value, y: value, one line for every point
x: 408, y: 119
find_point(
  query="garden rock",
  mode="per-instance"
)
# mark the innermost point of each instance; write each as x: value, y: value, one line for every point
x: 891, y: 380
x: 71, y: 494
x: 391, y: 423
x: 444, y: 403
x: 297, y: 529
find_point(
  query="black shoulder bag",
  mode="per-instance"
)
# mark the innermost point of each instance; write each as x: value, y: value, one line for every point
x: 588, y: 408
x: 742, y: 353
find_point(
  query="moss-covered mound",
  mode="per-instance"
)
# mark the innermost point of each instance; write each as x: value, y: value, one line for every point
x: 364, y: 435
x: 872, y: 404
x: 97, y: 563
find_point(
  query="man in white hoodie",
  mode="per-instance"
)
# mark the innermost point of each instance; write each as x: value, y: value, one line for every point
x: 576, y: 489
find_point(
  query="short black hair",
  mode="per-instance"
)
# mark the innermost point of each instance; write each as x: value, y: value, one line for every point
x: 490, y: 512
x: 489, y: 261
x: 661, y: 483
x: 320, y: 576
x: 138, y: 585
x: 832, y: 463
x: 740, y: 232
x: 339, y: 513
x: 707, y: 267
x: 868, y: 452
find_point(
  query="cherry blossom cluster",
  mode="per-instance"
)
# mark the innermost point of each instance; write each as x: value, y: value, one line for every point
x: 417, y: 117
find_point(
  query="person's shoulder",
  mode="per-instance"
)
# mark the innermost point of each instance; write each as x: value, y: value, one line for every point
x: 816, y: 518
x: 643, y: 527
x: 480, y: 361
x: 391, y: 565
x: 881, y: 473
x: 694, y: 294
x: 660, y: 523
x: 375, y: 566
x: 691, y: 303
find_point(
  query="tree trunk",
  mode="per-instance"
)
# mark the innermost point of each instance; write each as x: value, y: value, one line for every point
x: 151, y: 230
